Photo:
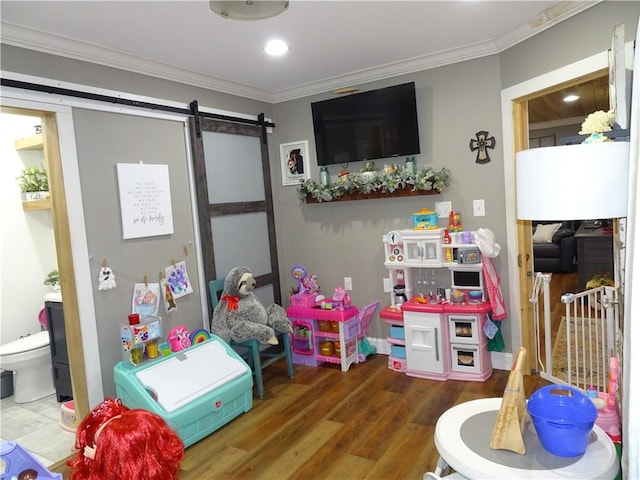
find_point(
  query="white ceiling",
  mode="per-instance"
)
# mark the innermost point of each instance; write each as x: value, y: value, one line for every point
x: 334, y: 44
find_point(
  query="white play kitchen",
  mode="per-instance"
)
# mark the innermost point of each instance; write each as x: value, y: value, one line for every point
x: 436, y: 333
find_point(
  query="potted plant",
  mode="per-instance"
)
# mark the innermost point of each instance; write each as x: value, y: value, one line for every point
x: 34, y: 183
x: 53, y: 279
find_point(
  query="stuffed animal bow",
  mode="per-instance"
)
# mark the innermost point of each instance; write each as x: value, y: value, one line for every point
x: 240, y: 316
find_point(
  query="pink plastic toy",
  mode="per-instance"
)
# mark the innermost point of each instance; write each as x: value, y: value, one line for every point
x: 178, y: 338
x: 341, y: 297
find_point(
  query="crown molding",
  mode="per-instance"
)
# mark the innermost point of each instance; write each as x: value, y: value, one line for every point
x: 32, y: 39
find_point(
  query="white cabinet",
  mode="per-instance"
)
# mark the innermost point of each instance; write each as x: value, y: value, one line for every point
x: 423, y: 248
x: 425, y: 338
x: 407, y: 249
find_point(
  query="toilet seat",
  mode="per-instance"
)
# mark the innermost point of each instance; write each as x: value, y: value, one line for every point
x: 25, y: 344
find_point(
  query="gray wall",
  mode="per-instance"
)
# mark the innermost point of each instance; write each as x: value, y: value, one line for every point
x: 574, y: 39
x: 341, y: 239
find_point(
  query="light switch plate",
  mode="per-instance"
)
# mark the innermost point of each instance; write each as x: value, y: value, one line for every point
x: 443, y: 209
x: 478, y: 208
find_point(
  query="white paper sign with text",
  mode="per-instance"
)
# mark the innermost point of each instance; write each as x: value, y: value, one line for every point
x: 145, y: 200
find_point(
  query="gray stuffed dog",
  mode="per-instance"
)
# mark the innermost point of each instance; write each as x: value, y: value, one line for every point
x: 240, y: 316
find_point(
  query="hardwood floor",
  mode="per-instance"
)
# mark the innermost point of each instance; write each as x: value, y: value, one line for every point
x: 367, y: 423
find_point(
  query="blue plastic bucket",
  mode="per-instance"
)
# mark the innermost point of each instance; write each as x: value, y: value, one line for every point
x: 563, y: 418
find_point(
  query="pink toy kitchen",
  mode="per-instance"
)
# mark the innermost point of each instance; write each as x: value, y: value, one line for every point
x: 437, y: 332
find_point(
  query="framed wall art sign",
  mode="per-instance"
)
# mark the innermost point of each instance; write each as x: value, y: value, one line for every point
x: 294, y: 162
x: 145, y: 200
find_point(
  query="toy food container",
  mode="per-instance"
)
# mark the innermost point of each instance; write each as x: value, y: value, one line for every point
x: 475, y: 296
x: 323, y: 325
x: 326, y: 348
x: 425, y: 219
x: 457, y: 296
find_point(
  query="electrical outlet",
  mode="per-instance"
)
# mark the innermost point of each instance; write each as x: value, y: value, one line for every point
x: 443, y: 209
x: 478, y: 208
x: 347, y: 283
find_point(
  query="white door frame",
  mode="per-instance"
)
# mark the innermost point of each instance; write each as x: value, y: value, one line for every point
x: 508, y: 96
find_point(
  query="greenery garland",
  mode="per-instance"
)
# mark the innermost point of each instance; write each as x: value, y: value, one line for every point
x: 377, y: 181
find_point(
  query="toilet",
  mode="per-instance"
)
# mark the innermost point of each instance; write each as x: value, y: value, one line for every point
x: 30, y: 358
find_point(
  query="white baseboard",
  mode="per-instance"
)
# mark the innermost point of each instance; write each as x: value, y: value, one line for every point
x: 499, y: 360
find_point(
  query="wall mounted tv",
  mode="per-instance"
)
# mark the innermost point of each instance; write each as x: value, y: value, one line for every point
x: 381, y: 123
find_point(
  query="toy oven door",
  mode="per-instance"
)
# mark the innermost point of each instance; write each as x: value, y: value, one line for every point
x: 463, y: 329
x: 465, y: 358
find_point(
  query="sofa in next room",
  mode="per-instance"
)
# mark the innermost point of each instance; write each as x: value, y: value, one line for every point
x: 554, y: 246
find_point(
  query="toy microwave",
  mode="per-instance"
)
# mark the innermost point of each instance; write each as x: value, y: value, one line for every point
x: 468, y: 255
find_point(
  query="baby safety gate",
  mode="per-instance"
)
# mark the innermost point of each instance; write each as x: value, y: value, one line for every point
x: 575, y: 349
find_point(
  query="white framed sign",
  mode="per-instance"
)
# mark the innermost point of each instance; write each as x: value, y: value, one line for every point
x: 145, y: 200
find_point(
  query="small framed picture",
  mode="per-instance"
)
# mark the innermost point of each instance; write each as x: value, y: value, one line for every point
x: 294, y: 162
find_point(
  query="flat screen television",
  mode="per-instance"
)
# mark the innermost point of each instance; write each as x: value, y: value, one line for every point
x: 381, y: 123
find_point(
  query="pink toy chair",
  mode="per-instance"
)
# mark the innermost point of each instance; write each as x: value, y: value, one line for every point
x: 364, y: 317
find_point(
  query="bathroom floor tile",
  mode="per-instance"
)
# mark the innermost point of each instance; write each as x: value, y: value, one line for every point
x: 49, y: 441
x: 35, y: 426
x: 18, y: 421
x: 48, y: 406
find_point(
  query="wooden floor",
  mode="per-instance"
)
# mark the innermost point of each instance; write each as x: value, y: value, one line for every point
x: 367, y: 423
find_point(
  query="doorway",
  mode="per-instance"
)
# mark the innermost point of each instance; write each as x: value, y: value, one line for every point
x: 55, y: 213
x: 552, y: 116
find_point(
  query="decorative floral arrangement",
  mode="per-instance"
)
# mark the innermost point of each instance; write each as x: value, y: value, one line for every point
x: 369, y: 167
x: 598, y: 122
x: 425, y: 180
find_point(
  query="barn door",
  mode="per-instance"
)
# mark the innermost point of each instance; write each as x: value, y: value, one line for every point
x: 235, y: 208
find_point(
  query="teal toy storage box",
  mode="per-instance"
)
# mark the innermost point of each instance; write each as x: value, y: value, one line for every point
x: 196, y: 390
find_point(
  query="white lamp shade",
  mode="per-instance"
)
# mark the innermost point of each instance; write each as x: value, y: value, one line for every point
x: 573, y: 182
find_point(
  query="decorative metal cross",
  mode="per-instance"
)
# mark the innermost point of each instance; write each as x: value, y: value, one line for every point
x: 481, y: 143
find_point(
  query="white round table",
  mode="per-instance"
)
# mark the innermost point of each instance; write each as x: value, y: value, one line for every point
x: 463, y: 435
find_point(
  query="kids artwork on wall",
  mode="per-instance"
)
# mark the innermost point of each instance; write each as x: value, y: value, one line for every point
x: 169, y: 302
x: 146, y: 299
x: 178, y: 280
x: 106, y: 278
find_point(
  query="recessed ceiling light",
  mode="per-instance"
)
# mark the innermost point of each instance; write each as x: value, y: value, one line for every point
x: 571, y: 98
x: 276, y: 48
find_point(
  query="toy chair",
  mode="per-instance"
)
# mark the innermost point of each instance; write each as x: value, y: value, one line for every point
x: 256, y: 357
x: 364, y: 317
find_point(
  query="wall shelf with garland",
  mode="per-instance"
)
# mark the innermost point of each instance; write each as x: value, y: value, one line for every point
x: 372, y: 185
x: 401, y: 192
